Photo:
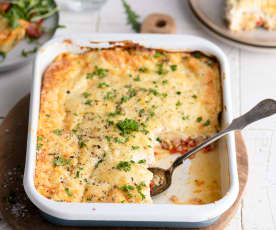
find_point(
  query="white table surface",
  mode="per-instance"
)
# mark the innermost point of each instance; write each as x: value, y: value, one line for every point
x: 253, y: 77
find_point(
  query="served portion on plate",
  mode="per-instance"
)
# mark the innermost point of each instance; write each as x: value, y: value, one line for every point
x: 248, y: 24
x: 21, y: 19
x: 108, y: 114
x: 250, y: 14
x: 24, y: 26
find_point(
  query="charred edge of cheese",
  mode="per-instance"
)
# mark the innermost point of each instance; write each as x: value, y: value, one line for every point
x: 102, y: 112
x: 249, y: 14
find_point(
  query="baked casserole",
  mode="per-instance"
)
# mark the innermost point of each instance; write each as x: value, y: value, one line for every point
x: 104, y: 112
x: 249, y: 14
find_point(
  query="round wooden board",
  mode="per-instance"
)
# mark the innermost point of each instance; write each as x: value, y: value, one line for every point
x: 18, y: 210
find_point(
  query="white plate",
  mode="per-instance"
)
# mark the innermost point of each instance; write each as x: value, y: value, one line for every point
x: 210, y: 15
x: 14, y: 58
x: 150, y: 213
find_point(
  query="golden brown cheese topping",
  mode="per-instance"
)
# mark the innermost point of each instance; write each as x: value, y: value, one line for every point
x: 103, y: 112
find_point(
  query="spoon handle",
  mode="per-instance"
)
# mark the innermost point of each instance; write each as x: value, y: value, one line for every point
x: 263, y: 109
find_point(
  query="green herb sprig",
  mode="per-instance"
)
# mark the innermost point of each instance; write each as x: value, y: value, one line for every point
x: 132, y: 17
x: 2, y: 56
x: 27, y: 53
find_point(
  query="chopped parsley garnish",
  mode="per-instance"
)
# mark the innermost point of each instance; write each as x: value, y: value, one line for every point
x: 82, y: 144
x: 101, y: 160
x: 57, y: 132
x: 88, y: 102
x: 123, y: 99
x: 132, y: 93
x: 173, y: 67
x: 207, y: 123
x: 39, y: 146
x: 178, y: 103
x: 103, y: 85
x: 161, y: 70
x: 144, y: 131
x: 124, y: 165
x: 127, y: 126
x: 74, y: 130
x: 86, y: 95
x: 142, y: 161
x: 110, y: 95
x: 135, y: 147
x: 60, y: 27
x: 157, y: 54
x: 40, y: 138
x: 158, y: 139
x: 144, y: 128
x: 78, y: 174
x: 127, y: 188
x: 31, y: 40
x: 139, y: 189
x: 137, y: 78
x: 3, y: 56
x: 100, y: 72
x: 186, y: 117
x: 60, y: 161
x: 27, y: 53
x: 164, y: 95
x: 194, y: 96
x: 154, y: 92
x: 196, y: 55
x: 141, y: 112
x: 68, y: 192
x: 109, y: 122
x: 151, y: 113
x: 143, y: 69
x: 89, y: 76
x: 117, y: 112
x: 165, y: 82
x: 108, y: 138
x: 120, y: 141
x: 199, y: 119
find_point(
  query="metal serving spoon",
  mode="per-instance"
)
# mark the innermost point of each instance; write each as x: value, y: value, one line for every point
x: 162, y: 178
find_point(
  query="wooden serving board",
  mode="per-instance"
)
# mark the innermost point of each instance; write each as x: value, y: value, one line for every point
x: 18, y: 210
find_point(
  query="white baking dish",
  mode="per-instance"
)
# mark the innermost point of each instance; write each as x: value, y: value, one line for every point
x: 156, y: 214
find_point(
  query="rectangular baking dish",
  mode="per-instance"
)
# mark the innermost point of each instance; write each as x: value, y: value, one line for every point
x: 157, y: 214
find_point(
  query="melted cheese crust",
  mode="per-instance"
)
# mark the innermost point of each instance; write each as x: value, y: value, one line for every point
x: 103, y: 111
x: 249, y: 14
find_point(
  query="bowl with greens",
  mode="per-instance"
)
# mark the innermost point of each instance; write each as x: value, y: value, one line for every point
x: 24, y: 26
